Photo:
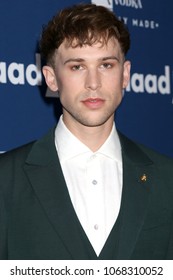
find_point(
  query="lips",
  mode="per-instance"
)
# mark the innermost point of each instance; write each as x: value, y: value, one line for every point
x: 93, y: 103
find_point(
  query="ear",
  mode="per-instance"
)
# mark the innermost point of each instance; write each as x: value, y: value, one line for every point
x: 50, y: 78
x: 126, y: 73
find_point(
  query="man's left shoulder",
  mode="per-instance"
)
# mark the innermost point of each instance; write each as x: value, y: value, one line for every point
x: 141, y: 153
x: 156, y: 156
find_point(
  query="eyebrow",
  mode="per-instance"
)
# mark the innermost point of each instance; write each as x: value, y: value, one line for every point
x: 82, y: 59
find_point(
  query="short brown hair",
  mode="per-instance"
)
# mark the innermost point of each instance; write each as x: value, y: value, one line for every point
x: 84, y: 23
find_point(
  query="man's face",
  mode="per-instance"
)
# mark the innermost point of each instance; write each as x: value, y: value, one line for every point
x: 90, y: 80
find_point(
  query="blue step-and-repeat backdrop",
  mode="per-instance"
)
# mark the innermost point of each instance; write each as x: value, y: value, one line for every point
x: 28, y: 110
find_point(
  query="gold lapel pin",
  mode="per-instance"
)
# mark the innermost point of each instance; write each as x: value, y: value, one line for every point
x: 143, y: 178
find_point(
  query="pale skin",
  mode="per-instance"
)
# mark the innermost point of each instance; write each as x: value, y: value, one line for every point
x: 90, y: 81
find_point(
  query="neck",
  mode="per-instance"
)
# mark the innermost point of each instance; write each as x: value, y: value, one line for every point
x: 92, y: 137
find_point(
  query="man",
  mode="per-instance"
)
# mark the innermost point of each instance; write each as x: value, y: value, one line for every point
x: 85, y: 191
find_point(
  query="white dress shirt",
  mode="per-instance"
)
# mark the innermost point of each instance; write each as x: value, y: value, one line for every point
x: 94, y: 182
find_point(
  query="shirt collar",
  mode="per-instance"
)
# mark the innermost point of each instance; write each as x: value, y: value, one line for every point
x: 69, y: 146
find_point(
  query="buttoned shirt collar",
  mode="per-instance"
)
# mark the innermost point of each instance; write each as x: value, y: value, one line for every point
x: 69, y: 146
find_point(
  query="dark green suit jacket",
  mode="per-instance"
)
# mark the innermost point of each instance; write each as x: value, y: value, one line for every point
x: 37, y: 219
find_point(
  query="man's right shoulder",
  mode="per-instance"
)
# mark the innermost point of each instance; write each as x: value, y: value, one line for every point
x: 17, y: 154
x: 37, y: 149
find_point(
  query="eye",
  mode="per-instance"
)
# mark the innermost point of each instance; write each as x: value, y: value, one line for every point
x: 76, y: 67
x: 106, y: 65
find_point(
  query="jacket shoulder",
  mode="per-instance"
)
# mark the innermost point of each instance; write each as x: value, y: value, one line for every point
x: 137, y: 151
x: 156, y: 156
x: 18, y: 154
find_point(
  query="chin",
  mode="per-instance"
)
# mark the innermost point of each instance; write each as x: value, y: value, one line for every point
x: 95, y: 122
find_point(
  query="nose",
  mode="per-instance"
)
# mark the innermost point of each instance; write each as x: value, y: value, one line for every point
x: 93, y: 80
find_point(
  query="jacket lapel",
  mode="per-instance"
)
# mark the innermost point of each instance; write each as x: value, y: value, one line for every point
x: 44, y: 173
x: 137, y: 181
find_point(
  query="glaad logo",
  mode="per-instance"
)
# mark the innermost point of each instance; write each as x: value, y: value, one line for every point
x: 17, y: 74
x: 136, y: 4
x: 151, y: 83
